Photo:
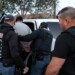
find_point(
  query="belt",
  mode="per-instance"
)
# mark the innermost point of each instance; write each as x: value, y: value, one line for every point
x: 40, y: 56
x: 45, y: 53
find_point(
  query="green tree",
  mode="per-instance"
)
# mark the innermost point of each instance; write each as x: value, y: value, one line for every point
x: 31, y: 6
x: 47, y: 6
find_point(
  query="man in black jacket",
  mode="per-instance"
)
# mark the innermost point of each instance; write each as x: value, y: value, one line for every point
x: 41, y: 46
x: 9, y: 51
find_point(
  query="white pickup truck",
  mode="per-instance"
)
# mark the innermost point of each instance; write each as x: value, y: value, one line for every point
x: 53, y: 25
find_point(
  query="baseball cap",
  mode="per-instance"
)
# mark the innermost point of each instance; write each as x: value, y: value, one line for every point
x: 9, y: 17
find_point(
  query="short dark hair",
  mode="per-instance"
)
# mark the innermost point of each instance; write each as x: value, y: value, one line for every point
x: 19, y: 18
x: 43, y: 25
x: 67, y: 12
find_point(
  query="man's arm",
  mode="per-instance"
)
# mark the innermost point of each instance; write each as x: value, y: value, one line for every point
x: 54, y: 66
x: 14, y: 50
x: 30, y: 37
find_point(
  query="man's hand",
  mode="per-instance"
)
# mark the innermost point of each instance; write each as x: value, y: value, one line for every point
x: 25, y: 70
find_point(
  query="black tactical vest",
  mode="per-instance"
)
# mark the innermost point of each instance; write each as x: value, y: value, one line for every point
x: 3, y: 47
x: 5, y: 56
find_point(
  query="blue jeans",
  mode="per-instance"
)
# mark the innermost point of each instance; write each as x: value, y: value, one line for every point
x: 37, y: 68
x: 6, y: 70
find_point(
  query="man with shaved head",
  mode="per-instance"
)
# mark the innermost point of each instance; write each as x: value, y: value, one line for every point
x: 63, y: 59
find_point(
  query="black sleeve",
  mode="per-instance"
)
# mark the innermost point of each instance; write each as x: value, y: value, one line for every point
x: 14, y: 50
x: 30, y: 37
x: 61, y: 49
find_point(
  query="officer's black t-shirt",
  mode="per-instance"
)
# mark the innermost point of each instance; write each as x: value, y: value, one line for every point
x: 64, y: 48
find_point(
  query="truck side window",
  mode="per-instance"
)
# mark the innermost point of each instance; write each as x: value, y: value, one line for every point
x: 54, y: 28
